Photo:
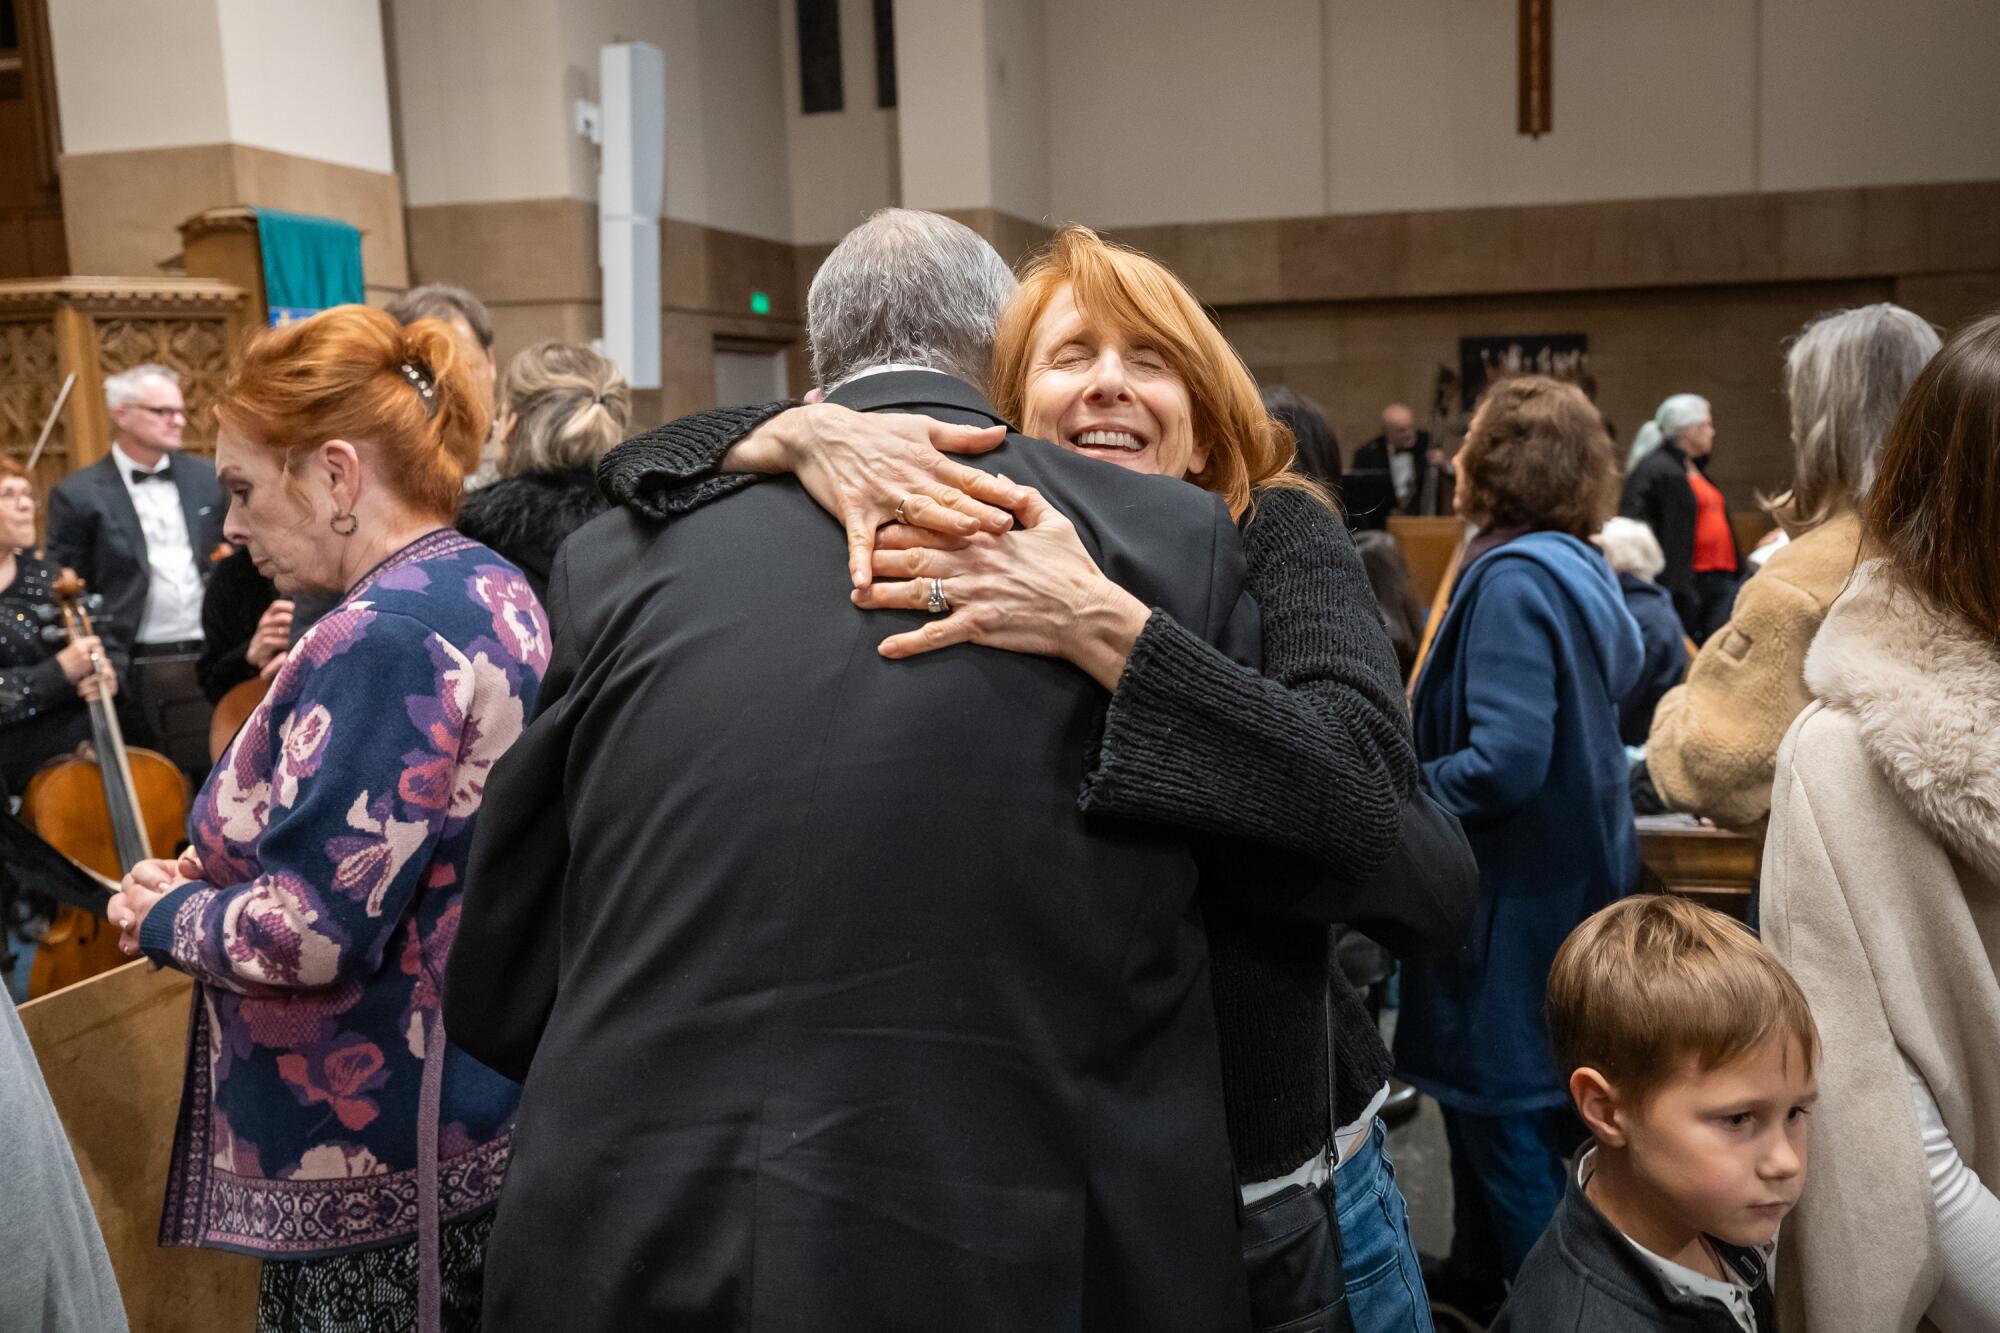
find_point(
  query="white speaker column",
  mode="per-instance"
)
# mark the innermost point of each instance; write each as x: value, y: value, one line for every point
x: 631, y: 185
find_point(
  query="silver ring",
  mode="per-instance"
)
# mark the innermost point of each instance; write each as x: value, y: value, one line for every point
x: 939, y: 604
x: 900, y: 517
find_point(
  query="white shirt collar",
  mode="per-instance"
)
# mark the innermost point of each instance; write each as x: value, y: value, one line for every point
x: 887, y: 368
x: 127, y: 465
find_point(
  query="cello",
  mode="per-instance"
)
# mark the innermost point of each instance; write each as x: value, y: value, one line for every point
x: 106, y: 809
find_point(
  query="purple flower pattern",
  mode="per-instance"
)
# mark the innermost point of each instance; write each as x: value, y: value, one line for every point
x: 333, y: 836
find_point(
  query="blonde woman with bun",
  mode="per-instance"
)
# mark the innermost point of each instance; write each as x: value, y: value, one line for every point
x: 562, y: 407
x: 326, y: 1126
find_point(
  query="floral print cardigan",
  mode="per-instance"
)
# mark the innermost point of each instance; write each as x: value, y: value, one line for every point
x: 333, y: 835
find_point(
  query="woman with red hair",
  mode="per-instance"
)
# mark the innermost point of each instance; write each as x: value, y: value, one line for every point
x: 326, y: 1125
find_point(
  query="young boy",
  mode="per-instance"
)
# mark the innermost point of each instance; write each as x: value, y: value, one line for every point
x: 1691, y: 1053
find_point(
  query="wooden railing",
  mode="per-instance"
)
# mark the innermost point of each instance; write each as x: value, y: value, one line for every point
x: 1716, y: 867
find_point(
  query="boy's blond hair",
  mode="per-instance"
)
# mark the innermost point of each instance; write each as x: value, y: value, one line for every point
x: 1654, y: 982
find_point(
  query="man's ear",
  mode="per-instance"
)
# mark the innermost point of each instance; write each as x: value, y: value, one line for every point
x: 1599, y: 1105
x: 815, y: 394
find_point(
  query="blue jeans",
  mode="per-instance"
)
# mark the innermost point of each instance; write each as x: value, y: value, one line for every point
x: 1506, y: 1180
x: 1385, y: 1286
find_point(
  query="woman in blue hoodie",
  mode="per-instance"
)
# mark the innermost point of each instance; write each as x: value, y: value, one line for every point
x: 1516, y: 723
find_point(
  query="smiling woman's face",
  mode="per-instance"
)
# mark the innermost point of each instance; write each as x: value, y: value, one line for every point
x: 1095, y: 393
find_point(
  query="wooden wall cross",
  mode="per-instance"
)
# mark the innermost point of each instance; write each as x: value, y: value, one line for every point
x: 1536, y: 62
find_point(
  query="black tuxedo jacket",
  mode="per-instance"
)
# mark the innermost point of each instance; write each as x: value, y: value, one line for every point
x: 832, y: 1009
x: 1374, y: 457
x: 94, y: 530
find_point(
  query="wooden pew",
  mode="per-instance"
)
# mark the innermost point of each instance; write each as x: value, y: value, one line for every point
x: 1428, y: 545
x: 112, y: 1050
x: 1715, y: 867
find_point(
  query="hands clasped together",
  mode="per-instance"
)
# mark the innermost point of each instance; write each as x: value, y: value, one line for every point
x: 998, y: 563
x: 144, y: 885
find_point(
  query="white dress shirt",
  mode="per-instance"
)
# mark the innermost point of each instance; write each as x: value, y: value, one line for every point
x: 173, y: 594
x: 1403, y: 473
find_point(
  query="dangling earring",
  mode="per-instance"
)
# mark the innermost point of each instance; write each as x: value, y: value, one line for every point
x: 343, y: 525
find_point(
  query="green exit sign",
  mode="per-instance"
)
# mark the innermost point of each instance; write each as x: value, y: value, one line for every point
x: 760, y: 303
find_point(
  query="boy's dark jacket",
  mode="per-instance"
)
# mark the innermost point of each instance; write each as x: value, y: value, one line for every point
x: 1583, y: 1276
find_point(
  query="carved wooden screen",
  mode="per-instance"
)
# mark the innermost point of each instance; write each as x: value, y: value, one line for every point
x: 98, y: 327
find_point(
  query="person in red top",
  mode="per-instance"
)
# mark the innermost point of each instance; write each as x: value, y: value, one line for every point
x: 1715, y: 566
x: 1667, y: 488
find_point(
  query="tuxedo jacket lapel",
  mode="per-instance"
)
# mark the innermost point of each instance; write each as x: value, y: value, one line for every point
x: 115, y: 504
x: 200, y: 507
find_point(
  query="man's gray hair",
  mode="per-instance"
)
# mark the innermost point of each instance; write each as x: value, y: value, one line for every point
x: 906, y: 288
x: 442, y: 301
x: 1845, y: 377
x: 128, y: 386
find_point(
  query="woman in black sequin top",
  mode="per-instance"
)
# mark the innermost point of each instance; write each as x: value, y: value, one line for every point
x: 43, y: 687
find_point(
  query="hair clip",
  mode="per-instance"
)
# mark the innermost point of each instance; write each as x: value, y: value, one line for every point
x: 420, y: 381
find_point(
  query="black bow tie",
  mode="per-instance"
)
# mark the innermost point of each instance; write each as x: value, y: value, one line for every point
x: 164, y: 474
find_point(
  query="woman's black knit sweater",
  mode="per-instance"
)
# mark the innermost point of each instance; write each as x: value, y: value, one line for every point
x: 1312, y: 756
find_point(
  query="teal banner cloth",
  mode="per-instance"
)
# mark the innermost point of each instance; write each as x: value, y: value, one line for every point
x: 310, y: 263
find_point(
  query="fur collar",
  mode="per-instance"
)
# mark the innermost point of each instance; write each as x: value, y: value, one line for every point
x: 531, y: 509
x: 1924, y: 689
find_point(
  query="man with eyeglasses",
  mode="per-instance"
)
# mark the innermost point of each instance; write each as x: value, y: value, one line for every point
x: 140, y: 525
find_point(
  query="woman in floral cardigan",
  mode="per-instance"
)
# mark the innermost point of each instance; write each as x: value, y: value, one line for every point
x: 325, y: 1125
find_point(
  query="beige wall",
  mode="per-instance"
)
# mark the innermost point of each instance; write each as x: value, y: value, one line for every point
x: 487, y: 91
x: 1179, y: 111
x: 844, y: 164
x: 726, y: 163
x: 946, y: 139
x: 1650, y: 100
x: 1017, y: 106
x: 479, y: 101
x: 1859, y: 92
x: 138, y: 75
x: 1184, y: 110
x: 308, y: 80
x: 168, y: 109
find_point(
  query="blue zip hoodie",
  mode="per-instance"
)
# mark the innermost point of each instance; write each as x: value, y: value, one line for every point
x: 1516, y: 722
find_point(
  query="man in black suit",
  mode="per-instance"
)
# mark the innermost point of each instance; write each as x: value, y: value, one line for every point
x: 1417, y: 475
x: 139, y: 525
x: 832, y: 1009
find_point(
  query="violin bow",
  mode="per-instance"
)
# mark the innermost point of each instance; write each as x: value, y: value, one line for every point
x: 34, y: 455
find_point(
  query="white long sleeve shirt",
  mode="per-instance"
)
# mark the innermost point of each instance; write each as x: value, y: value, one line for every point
x: 1968, y: 1222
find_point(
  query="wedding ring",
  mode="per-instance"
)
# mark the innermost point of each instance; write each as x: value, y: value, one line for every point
x: 939, y: 604
x: 900, y: 516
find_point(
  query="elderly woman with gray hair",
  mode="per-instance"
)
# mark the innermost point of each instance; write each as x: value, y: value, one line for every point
x: 1667, y: 488
x: 1714, y: 743
x: 1634, y: 556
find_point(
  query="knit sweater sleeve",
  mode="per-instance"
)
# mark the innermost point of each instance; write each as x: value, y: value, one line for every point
x: 675, y: 468
x: 1313, y: 755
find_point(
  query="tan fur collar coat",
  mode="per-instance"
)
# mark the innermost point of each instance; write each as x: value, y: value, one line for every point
x: 1714, y: 740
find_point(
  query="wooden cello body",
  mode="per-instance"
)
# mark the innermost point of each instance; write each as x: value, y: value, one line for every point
x: 107, y: 812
